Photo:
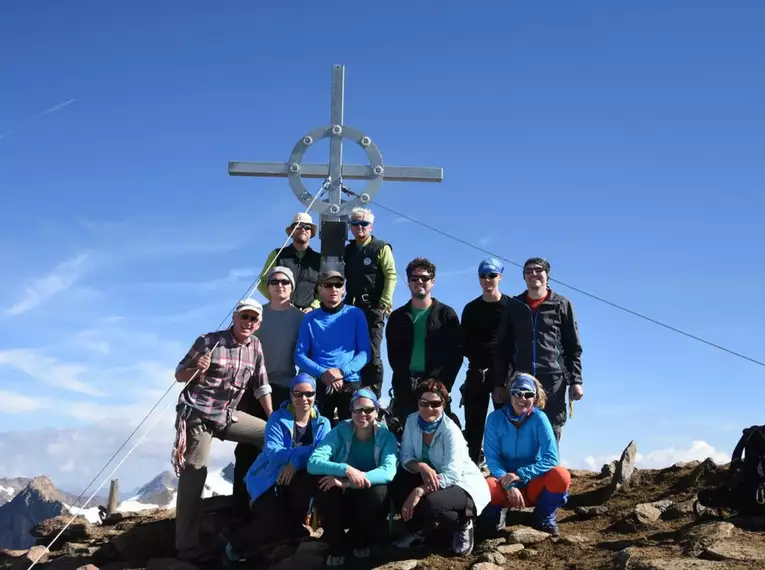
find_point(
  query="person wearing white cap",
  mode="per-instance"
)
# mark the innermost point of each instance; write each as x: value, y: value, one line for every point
x: 303, y: 261
x: 223, y: 364
x: 278, y: 333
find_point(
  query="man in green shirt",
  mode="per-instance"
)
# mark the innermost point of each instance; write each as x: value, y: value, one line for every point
x: 370, y: 273
x: 424, y: 340
x: 303, y: 261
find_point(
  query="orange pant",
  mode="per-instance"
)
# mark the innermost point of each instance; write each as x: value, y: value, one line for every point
x: 556, y: 480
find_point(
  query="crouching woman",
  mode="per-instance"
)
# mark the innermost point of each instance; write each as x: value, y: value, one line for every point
x: 279, y: 486
x: 522, y: 455
x: 439, y: 485
x: 356, y: 462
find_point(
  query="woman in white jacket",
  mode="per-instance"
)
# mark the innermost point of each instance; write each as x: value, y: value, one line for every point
x: 438, y: 483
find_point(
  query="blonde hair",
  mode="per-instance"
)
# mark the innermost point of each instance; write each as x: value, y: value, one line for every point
x: 541, y: 399
x: 364, y: 213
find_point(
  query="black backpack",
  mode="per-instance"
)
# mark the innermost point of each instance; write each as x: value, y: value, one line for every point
x: 743, y: 490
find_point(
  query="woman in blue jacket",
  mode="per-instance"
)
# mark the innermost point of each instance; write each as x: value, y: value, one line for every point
x: 357, y: 461
x: 438, y: 484
x: 522, y: 455
x: 279, y: 486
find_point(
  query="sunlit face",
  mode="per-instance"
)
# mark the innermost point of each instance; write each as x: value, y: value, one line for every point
x: 430, y: 406
x: 303, y: 396
x: 489, y: 281
x: 363, y: 413
x: 279, y: 288
x: 522, y: 401
x: 331, y: 292
x: 535, y: 276
x: 301, y: 233
x: 245, y: 323
x: 361, y: 228
x: 421, y: 283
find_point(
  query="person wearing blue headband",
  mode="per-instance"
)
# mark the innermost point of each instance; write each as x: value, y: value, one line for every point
x: 438, y: 486
x: 355, y: 462
x: 279, y: 486
x: 480, y: 324
x: 522, y: 456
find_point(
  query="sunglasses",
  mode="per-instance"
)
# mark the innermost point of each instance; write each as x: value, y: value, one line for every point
x: 306, y: 227
x: 303, y: 394
x: 420, y: 278
x: 362, y: 223
x: 333, y: 285
x: 523, y: 394
x: 489, y: 275
x: 253, y: 318
x: 433, y: 404
x: 284, y: 282
x: 368, y: 410
x: 533, y: 270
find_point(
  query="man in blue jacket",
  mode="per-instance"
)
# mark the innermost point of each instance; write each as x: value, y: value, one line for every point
x: 333, y: 346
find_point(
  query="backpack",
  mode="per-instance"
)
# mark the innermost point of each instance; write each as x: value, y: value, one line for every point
x: 743, y: 489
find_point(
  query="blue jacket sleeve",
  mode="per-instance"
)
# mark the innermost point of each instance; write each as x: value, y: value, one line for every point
x: 548, y: 452
x: 321, y: 463
x: 363, y: 348
x: 453, y: 456
x: 300, y: 455
x: 406, y: 452
x: 492, y: 445
x: 385, y: 472
x: 274, y: 444
x: 303, y: 348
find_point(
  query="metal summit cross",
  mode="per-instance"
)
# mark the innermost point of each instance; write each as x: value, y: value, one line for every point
x: 333, y: 209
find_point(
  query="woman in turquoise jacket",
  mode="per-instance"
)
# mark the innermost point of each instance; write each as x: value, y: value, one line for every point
x: 279, y: 486
x: 438, y: 484
x: 356, y: 462
x: 522, y: 455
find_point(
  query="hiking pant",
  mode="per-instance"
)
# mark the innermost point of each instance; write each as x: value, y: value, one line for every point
x: 188, y: 510
x: 476, y: 393
x: 545, y: 493
x: 449, y: 508
x: 555, y: 386
x: 278, y: 515
x: 372, y: 373
x: 245, y: 455
x: 335, y: 401
x: 362, y: 511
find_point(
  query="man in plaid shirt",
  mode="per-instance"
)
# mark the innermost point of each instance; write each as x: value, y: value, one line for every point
x: 226, y: 363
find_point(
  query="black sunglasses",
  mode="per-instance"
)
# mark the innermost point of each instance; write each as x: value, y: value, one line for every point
x: 333, y: 285
x: 489, y: 275
x: 433, y: 404
x: 284, y: 282
x: 420, y: 278
x: 362, y: 223
x: 253, y: 318
x: 306, y: 227
x: 523, y: 394
x: 297, y: 394
x: 367, y: 410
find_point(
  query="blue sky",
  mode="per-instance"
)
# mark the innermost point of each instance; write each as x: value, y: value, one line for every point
x: 622, y: 141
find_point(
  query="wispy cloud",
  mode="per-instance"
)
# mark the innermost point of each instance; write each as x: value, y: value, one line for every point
x: 14, y: 403
x: 233, y: 277
x: 400, y: 220
x: 38, y: 291
x: 48, y: 370
x: 40, y: 115
x: 697, y: 451
x: 484, y: 241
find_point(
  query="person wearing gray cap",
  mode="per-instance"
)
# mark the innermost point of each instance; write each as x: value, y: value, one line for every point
x: 277, y: 334
x: 333, y: 346
x: 217, y: 370
x: 301, y: 259
x: 539, y: 335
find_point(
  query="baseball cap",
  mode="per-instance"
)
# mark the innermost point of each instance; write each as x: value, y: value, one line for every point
x: 490, y: 265
x: 330, y: 275
x: 249, y: 305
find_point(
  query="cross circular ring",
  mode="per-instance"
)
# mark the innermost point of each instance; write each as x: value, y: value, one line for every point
x: 375, y: 170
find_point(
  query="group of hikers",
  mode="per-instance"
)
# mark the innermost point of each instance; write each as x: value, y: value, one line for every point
x: 297, y: 384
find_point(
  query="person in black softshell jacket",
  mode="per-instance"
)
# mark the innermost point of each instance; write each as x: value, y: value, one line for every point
x: 424, y: 340
x: 539, y: 335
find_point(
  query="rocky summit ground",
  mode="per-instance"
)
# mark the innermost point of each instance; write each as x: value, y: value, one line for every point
x: 621, y: 518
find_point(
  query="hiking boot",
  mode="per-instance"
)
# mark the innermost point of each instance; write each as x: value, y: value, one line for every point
x: 362, y: 553
x: 409, y: 541
x: 463, y: 539
x: 545, y: 513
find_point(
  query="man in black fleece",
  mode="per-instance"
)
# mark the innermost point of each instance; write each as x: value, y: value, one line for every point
x: 424, y: 340
x: 539, y: 335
